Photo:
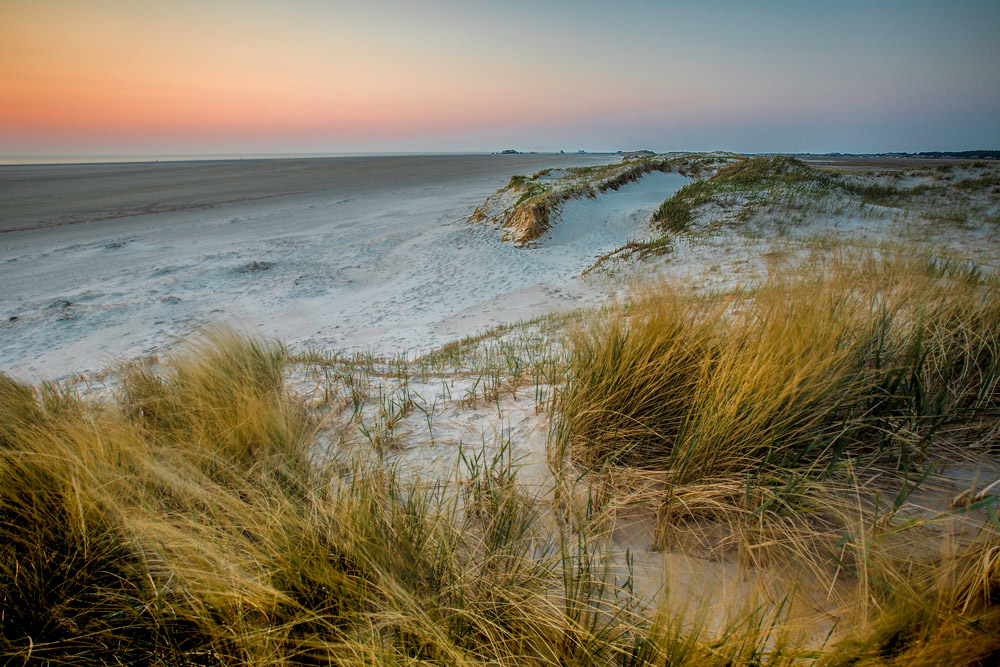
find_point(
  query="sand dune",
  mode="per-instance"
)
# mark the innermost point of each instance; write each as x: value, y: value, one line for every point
x: 369, y: 252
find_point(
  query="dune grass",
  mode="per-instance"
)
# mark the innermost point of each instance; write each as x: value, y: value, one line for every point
x: 189, y: 523
x: 746, y: 175
x: 772, y: 189
x: 875, y: 357
x: 747, y: 422
x: 632, y: 250
x: 203, y: 515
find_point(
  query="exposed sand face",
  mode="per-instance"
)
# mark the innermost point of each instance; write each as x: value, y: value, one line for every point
x: 370, y: 252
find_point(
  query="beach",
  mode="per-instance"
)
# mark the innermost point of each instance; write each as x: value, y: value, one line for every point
x: 107, y: 262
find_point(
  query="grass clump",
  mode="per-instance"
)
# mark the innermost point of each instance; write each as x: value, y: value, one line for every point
x: 804, y: 367
x: 529, y: 187
x: 633, y: 250
x: 189, y: 523
x: 757, y: 173
x: 873, y: 193
x: 675, y: 214
x: 753, y: 426
x: 136, y: 530
x: 519, y: 181
x: 225, y: 395
x: 984, y: 182
x: 948, y: 616
x: 759, y: 170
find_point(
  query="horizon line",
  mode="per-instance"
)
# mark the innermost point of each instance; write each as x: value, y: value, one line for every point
x: 54, y: 159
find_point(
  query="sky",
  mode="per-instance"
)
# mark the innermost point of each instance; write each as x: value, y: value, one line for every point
x: 134, y: 77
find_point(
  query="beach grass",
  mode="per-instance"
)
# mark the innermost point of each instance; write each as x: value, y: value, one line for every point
x: 779, y: 192
x: 205, y: 514
x: 804, y: 365
x: 237, y: 503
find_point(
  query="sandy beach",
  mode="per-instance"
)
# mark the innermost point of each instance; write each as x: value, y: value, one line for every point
x: 47, y: 195
x: 104, y: 262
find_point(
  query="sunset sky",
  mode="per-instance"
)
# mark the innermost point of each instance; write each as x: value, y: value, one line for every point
x: 247, y: 76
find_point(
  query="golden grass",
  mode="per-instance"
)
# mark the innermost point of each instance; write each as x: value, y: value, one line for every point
x: 198, y: 518
x: 753, y: 425
x: 844, y: 358
x: 189, y: 523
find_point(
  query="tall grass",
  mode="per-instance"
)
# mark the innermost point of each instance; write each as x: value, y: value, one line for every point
x: 188, y: 523
x: 947, y: 614
x: 138, y: 529
x: 746, y: 421
x: 197, y: 518
x: 871, y: 358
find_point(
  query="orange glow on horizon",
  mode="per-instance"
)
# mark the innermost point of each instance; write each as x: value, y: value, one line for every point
x: 76, y: 72
x: 336, y: 76
x: 143, y: 72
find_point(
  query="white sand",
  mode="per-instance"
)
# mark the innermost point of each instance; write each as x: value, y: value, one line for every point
x: 381, y: 260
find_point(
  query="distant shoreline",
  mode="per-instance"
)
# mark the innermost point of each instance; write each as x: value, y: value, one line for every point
x: 59, y: 160
x: 55, y: 160
x: 924, y: 157
x: 37, y: 196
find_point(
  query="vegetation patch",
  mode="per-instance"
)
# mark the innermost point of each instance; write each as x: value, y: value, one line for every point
x: 804, y: 368
x: 756, y: 171
x: 747, y: 174
x: 676, y: 213
x: 633, y: 250
x: 984, y: 182
x: 205, y: 515
x: 525, y: 207
x: 778, y: 190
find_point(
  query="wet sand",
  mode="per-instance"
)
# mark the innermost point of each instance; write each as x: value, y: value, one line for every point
x: 33, y: 196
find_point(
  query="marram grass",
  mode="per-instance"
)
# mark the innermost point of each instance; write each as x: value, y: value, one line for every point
x: 187, y: 524
x: 850, y: 358
x: 196, y: 518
